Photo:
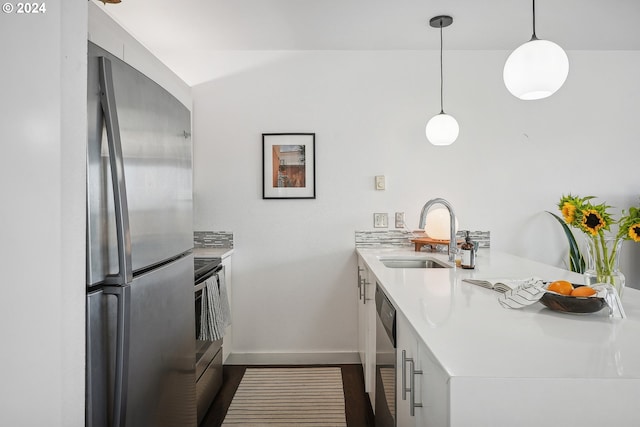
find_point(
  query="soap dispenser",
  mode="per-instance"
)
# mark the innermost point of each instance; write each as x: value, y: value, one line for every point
x: 467, y: 253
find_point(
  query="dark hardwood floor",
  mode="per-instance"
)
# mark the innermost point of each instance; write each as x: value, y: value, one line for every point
x: 357, y: 405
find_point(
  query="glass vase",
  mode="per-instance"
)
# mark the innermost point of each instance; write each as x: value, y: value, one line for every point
x: 603, y: 262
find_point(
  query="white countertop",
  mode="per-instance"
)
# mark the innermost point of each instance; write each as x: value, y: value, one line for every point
x: 471, y: 335
x: 212, y: 252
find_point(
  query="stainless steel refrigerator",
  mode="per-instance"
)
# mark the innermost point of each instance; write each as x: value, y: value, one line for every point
x: 140, y: 309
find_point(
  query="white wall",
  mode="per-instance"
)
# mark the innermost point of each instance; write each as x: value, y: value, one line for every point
x: 110, y: 36
x: 294, y: 269
x: 42, y: 220
x: 42, y: 215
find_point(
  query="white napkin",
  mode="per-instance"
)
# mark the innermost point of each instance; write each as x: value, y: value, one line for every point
x: 532, y: 289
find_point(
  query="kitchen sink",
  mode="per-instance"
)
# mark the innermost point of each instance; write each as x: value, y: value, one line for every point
x: 412, y: 262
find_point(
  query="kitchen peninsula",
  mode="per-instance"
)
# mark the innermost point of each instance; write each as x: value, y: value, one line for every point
x: 492, y: 366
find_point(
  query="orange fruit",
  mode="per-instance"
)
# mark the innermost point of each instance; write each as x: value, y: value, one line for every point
x: 583, y: 291
x: 560, y: 286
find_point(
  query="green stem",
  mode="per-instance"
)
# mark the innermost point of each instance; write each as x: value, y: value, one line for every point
x: 599, y: 249
x: 605, y: 262
x: 604, y: 258
x: 612, y: 259
x: 605, y: 254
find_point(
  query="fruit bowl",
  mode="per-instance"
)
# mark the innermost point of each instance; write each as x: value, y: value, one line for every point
x: 571, y: 304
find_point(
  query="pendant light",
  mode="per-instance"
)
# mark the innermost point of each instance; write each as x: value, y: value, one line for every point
x: 536, y: 69
x: 442, y: 129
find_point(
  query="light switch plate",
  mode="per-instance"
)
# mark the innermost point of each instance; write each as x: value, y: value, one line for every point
x: 380, y: 182
x: 380, y: 220
x: 399, y: 219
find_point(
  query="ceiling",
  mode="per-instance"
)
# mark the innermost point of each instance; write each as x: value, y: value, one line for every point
x: 183, y: 32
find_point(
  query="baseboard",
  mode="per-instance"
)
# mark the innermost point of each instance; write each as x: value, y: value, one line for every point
x: 340, y: 358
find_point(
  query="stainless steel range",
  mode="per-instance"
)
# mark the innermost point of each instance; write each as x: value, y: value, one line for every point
x: 208, y: 350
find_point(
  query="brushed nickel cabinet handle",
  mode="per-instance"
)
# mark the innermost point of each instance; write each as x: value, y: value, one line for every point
x: 412, y: 402
x: 405, y: 359
x: 365, y: 283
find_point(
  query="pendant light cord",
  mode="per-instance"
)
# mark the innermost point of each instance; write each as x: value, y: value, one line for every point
x: 533, y: 36
x: 441, y: 74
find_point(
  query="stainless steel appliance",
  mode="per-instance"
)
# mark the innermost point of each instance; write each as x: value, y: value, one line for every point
x: 385, y: 404
x: 140, y: 313
x: 208, y: 351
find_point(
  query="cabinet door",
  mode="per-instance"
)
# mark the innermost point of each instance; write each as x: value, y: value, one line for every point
x: 407, y: 352
x: 362, y: 326
x: 366, y: 327
x: 422, y: 397
x: 369, y: 307
x: 227, y: 348
x: 434, y: 390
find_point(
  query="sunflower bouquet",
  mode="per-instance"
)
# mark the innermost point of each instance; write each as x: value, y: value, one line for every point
x: 595, y: 221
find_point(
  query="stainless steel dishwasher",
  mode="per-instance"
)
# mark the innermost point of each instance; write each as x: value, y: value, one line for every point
x: 385, y: 405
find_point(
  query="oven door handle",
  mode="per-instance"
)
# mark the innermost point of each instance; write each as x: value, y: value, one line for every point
x: 200, y: 286
x: 201, y: 283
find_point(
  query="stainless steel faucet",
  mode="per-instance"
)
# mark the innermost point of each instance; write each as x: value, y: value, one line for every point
x: 453, y: 244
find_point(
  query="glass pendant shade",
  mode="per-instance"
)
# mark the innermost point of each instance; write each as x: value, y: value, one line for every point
x: 536, y: 70
x: 442, y: 129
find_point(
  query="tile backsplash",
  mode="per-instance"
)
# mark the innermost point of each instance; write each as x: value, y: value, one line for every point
x: 213, y: 239
x: 402, y: 238
x: 383, y: 239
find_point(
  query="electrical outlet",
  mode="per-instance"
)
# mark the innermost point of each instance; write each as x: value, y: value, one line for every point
x: 399, y: 219
x: 380, y: 220
x: 380, y: 182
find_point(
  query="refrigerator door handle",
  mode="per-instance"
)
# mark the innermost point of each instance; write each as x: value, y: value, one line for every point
x: 116, y: 163
x: 121, y: 383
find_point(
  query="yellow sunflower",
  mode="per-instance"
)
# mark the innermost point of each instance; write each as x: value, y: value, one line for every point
x: 569, y: 212
x: 634, y: 232
x: 592, y: 221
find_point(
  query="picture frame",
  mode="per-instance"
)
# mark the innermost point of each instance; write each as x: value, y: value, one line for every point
x: 288, y: 165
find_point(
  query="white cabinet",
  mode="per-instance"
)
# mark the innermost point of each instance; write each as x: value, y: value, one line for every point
x: 477, y: 364
x: 227, y: 348
x: 367, y: 327
x: 422, y: 396
x: 406, y: 354
x: 434, y: 390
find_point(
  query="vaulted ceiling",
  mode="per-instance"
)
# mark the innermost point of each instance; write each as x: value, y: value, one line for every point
x: 183, y: 32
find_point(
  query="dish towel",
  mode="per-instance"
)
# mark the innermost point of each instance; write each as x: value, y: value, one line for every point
x: 531, y: 290
x: 215, y: 314
x: 224, y: 298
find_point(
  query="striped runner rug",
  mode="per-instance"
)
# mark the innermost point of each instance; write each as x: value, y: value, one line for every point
x: 388, y: 377
x: 288, y: 397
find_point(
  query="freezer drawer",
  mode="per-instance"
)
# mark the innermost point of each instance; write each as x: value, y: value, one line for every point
x: 160, y: 389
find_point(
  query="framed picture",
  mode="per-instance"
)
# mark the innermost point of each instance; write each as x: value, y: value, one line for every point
x: 288, y: 165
